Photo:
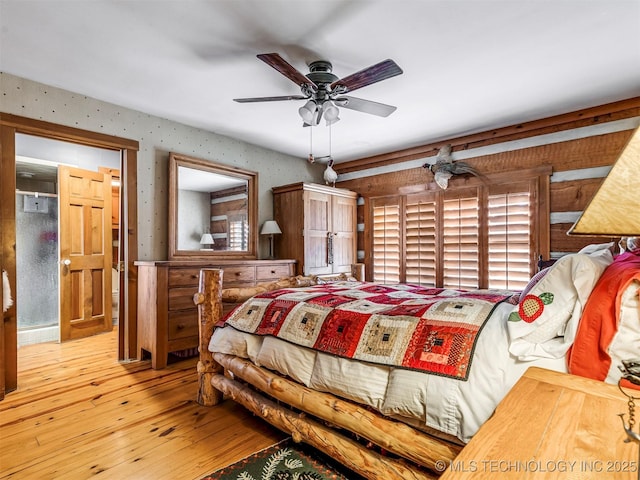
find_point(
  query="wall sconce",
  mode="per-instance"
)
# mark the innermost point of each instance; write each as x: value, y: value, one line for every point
x: 271, y: 228
x: 206, y: 241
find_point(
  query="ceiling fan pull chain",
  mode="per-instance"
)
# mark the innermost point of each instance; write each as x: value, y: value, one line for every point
x: 311, y: 159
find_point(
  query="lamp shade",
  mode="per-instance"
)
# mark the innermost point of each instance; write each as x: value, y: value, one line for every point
x: 206, y: 239
x: 270, y: 227
x: 308, y: 113
x: 615, y: 208
x: 330, y: 112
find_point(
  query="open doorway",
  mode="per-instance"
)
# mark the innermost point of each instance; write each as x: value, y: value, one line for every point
x: 38, y: 162
x: 12, y: 125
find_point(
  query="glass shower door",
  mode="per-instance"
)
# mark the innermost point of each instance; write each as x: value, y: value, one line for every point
x: 37, y: 267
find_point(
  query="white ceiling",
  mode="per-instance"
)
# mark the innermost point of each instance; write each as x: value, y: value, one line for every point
x: 469, y: 66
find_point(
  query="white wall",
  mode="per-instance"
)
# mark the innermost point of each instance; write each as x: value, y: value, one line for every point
x: 157, y: 137
x: 194, y: 215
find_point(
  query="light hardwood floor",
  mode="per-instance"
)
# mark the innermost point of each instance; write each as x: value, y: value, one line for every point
x: 78, y: 414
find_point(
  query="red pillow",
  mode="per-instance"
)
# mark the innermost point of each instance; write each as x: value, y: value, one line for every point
x: 589, y: 356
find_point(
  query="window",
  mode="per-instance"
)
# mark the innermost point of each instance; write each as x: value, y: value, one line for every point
x: 386, y: 243
x: 460, y: 233
x: 238, y: 232
x: 480, y: 237
x: 509, y: 239
x: 420, y: 243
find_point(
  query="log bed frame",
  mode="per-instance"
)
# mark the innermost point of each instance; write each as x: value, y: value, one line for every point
x: 390, y: 449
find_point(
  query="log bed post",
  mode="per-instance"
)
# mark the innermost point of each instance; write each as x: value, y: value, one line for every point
x: 209, y: 302
x: 357, y: 271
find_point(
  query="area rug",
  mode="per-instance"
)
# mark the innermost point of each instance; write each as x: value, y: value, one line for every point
x: 284, y: 461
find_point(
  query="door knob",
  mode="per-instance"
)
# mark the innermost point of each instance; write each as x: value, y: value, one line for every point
x: 66, y: 262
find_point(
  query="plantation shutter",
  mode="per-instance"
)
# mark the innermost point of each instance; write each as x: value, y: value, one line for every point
x: 386, y: 240
x: 460, y: 242
x: 509, y: 236
x: 486, y: 234
x: 238, y: 229
x: 420, y: 243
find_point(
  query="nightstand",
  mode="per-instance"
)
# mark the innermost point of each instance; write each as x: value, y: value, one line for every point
x: 551, y: 425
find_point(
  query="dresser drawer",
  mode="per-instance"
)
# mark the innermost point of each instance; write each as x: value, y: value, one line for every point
x: 182, y: 277
x: 272, y: 272
x: 181, y: 298
x: 235, y: 275
x: 183, y: 324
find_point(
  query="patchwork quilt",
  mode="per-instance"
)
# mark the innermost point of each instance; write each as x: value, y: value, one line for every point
x: 402, y: 325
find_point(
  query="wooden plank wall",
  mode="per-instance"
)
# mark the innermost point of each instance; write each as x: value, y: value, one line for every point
x: 580, y: 147
x: 222, y: 203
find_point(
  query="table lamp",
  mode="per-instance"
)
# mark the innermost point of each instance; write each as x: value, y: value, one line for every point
x: 271, y: 228
x: 206, y: 241
x: 614, y: 211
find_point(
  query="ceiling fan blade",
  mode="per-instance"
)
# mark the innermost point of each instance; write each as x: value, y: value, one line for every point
x: 375, y: 73
x: 280, y: 64
x: 269, y: 99
x: 366, y: 106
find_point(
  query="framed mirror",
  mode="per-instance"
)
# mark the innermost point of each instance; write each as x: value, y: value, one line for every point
x: 213, y: 210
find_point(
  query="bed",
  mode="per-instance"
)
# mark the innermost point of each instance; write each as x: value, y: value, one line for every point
x: 400, y: 400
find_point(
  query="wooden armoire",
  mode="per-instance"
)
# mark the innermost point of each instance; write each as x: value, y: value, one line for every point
x: 318, y: 226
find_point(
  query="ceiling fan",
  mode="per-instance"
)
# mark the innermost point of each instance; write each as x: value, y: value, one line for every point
x: 324, y: 91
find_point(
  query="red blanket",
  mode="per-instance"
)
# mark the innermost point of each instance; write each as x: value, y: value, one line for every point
x: 404, y: 325
x: 588, y: 356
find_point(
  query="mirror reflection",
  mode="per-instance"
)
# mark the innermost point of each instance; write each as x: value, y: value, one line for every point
x: 212, y: 209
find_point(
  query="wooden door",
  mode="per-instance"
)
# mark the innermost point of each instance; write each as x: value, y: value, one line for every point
x: 343, y: 226
x: 85, y: 252
x: 317, y: 228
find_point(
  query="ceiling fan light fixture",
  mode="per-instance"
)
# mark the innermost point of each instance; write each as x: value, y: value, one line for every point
x: 308, y: 113
x: 323, y: 90
x: 331, y: 112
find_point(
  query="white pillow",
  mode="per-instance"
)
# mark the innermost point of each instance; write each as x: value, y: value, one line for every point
x: 598, y: 247
x: 544, y: 323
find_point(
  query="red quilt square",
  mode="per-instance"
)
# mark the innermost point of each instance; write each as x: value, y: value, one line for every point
x: 441, y: 349
x: 381, y: 289
x: 331, y: 300
x: 408, y: 310
x: 274, y: 315
x: 386, y: 300
x: 341, y: 331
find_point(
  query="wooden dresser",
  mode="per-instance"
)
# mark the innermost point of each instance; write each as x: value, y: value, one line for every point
x: 549, y: 426
x: 167, y: 316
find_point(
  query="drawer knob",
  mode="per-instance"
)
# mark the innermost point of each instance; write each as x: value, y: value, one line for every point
x: 180, y: 326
